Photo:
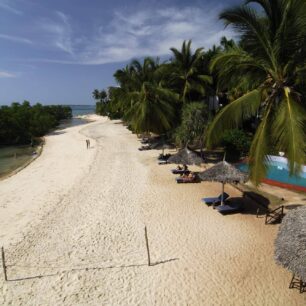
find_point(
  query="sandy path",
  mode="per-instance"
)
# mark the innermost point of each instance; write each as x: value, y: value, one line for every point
x: 92, y: 241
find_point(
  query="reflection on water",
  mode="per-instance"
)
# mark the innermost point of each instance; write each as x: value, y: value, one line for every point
x: 13, y: 157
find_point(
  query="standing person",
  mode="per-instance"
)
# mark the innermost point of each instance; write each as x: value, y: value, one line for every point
x: 88, y: 143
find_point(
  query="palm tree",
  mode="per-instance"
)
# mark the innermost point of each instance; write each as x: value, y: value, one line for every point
x: 147, y: 105
x: 96, y: 94
x: 119, y: 95
x: 186, y: 74
x: 152, y: 109
x: 269, y: 63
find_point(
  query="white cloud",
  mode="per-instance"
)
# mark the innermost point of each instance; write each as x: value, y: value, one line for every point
x: 143, y: 33
x: 4, y: 5
x: 15, y: 39
x: 5, y: 74
x: 59, y: 32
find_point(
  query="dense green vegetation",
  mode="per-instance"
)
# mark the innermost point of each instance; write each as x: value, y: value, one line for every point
x: 102, y: 102
x: 236, y: 144
x: 269, y: 65
x: 21, y: 123
x: 259, y: 81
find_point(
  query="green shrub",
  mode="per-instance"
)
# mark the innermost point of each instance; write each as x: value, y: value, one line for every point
x: 236, y: 144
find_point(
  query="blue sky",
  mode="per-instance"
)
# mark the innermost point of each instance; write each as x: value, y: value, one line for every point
x: 58, y: 51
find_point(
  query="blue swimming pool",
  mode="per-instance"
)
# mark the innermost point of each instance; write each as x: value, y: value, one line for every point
x: 278, y: 172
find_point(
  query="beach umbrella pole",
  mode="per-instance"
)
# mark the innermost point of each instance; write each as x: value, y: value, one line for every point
x: 222, y: 193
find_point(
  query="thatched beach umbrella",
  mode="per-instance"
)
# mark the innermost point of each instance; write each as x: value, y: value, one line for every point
x: 162, y: 146
x: 185, y: 156
x: 290, y: 244
x: 223, y: 172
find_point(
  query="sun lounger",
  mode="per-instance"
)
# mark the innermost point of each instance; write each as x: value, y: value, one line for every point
x: 144, y: 148
x: 162, y: 162
x: 229, y: 208
x: 186, y: 179
x: 216, y: 200
x: 144, y: 141
x: 163, y: 157
x: 177, y: 171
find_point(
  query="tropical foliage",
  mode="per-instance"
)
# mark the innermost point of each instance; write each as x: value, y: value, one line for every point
x: 195, y: 117
x: 151, y: 96
x: 20, y: 123
x: 185, y: 72
x: 102, y: 102
x: 236, y: 144
x: 269, y: 65
x: 259, y: 81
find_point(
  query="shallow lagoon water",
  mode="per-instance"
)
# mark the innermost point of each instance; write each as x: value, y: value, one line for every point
x: 14, y: 157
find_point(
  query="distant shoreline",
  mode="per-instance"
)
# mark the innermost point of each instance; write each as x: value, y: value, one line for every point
x: 39, y: 148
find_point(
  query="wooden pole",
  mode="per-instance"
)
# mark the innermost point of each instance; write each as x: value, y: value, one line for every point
x: 147, y: 245
x: 3, y: 264
x: 222, y: 194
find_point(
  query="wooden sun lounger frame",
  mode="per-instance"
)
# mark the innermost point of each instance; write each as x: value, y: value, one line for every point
x: 275, y: 216
x: 297, y: 283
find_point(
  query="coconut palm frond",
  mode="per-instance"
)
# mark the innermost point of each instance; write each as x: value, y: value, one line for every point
x: 152, y: 110
x: 232, y: 115
x: 246, y: 20
x: 289, y: 131
x: 234, y: 65
x: 207, y: 79
x: 259, y: 149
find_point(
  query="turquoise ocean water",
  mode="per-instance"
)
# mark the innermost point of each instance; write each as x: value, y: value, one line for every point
x: 79, y: 110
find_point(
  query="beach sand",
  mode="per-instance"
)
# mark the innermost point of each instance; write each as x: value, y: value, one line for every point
x: 72, y: 224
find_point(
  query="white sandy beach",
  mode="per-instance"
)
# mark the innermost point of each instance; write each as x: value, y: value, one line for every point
x: 76, y: 217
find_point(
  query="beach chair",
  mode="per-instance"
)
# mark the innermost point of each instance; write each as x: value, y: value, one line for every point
x: 162, y: 162
x: 177, y: 171
x: 192, y: 179
x: 297, y: 283
x: 144, y: 148
x: 216, y: 200
x: 163, y: 157
x: 229, y: 208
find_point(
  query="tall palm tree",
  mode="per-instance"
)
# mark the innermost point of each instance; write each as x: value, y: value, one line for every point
x: 96, y: 94
x: 270, y: 63
x: 153, y: 108
x: 119, y: 95
x: 186, y: 74
x: 148, y: 106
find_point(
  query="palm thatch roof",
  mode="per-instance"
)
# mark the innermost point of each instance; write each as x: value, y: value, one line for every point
x: 161, y: 145
x: 186, y: 156
x: 290, y: 244
x: 223, y: 172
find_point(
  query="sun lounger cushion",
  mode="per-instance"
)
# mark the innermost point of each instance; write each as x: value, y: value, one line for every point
x: 210, y: 201
x: 185, y: 179
x: 229, y: 208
